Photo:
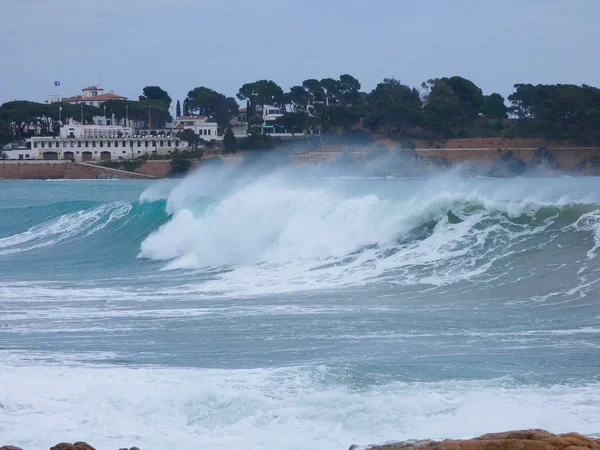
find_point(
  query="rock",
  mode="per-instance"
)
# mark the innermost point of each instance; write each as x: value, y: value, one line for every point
x: 10, y: 447
x: 75, y: 446
x: 511, y: 440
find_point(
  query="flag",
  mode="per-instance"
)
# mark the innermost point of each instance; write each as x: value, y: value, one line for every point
x: 57, y: 83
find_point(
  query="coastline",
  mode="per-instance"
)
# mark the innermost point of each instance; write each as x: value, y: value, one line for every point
x: 361, y: 160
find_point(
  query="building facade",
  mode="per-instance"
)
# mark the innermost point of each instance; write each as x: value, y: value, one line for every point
x: 200, y: 125
x: 95, y: 143
x: 93, y: 96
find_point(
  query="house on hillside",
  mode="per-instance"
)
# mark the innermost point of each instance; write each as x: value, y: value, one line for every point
x: 93, y: 96
x: 200, y: 125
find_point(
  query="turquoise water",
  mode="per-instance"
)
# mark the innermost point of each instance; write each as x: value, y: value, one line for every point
x: 284, y: 311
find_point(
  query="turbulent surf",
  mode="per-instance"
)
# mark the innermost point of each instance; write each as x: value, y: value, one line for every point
x: 281, y: 310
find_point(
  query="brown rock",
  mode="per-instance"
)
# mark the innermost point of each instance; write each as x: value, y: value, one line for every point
x: 75, y: 446
x: 10, y: 447
x: 511, y: 440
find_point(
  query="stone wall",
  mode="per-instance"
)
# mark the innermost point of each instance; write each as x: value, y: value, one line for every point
x: 24, y: 170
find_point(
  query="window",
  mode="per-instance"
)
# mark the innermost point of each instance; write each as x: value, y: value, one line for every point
x: 124, y: 152
x: 78, y: 144
x: 153, y: 143
x: 43, y: 144
x: 146, y: 143
x: 72, y: 144
x: 131, y: 143
x: 95, y: 93
x: 139, y: 151
x: 190, y: 123
x: 27, y: 156
x: 35, y: 144
x: 168, y: 143
x: 162, y: 143
x: 176, y: 143
x: 94, y: 144
x: 87, y: 144
x: 108, y: 143
x: 124, y: 144
x: 139, y: 143
x: 209, y: 132
x: 101, y: 144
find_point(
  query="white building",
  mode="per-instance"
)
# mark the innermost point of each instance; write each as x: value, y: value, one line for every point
x: 270, y: 114
x: 200, y: 125
x: 92, y: 96
x: 93, y: 143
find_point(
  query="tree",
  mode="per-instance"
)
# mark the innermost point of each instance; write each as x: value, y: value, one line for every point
x: 178, y: 109
x: 6, y: 134
x: 393, y: 104
x: 229, y: 141
x: 215, y: 106
x: 186, y: 107
x: 156, y: 93
x: 261, y: 93
x: 441, y: 106
x: 292, y: 122
x: 494, y: 107
x: 190, y: 137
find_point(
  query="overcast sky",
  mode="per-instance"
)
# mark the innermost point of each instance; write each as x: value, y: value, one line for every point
x: 221, y: 44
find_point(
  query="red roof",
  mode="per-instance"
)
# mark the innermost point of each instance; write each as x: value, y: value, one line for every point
x: 191, y: 117
x: 97, y: 98
x: 179, y: 126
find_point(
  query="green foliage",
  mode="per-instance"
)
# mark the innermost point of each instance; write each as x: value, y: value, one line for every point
x: 294, y: 122
x: 260, y: 93
x: 557, y: 111
x: 6, y: 134
x: 178, y: 109
x: 216, y: 106
x: 156, y: 93
x: 179, y: 167
x: 190, y: 137
x: 258, y: 142
x: 393, y: 104
x: 494, y: 107
x: 229, y: 141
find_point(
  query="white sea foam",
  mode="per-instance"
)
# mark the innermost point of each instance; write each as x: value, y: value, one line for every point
x: 295, y: 408
x: 279, y: 234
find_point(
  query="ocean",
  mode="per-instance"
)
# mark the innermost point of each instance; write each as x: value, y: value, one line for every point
x: 289, y: 311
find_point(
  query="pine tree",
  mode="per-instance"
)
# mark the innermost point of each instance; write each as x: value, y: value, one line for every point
x: 178, y: 109
x: 186, y: 108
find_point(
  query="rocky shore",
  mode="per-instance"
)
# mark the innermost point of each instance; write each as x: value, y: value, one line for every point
x: 510, y: 440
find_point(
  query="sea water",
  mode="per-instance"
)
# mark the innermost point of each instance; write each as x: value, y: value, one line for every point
x: 285, y: 311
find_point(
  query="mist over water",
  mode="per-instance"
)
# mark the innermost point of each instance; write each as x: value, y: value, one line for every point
x: 281, y: 309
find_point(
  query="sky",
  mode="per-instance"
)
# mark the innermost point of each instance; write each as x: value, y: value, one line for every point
x: 222, y: 44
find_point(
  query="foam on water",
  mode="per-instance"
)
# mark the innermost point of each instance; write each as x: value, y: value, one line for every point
x: 293, y: 408
x: 279, y: 235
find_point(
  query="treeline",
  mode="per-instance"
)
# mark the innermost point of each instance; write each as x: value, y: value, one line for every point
x: 440, y: 108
